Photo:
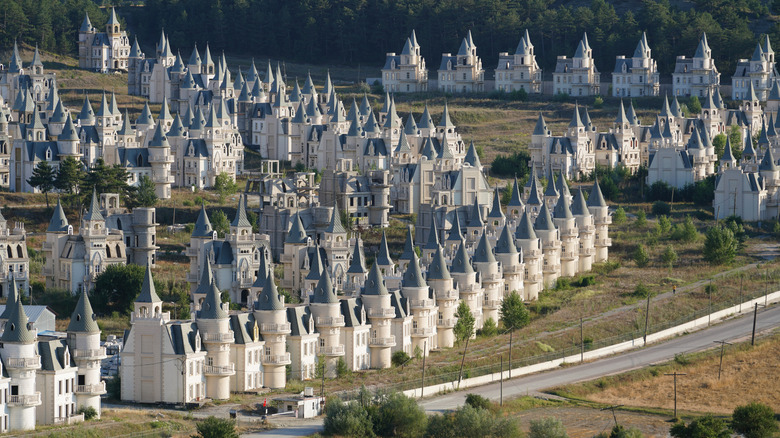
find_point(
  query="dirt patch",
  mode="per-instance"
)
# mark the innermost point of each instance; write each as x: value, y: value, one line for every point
x: 586, y: 422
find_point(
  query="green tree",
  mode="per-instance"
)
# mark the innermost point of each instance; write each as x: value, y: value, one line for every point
x: 220, y: 223
x: 641, y: 257
x: 685, y: 232
x: 619, y: 217
x: 224, y: 186
x: 720, y: 245
x: 514, y: 314
x: 213, y: 427
x: 105, y: 179
x: 704, y: 427
x: 719, y: 142
x: 549, y: 427
x: 641, y: 219
x: 116, y: 289
x: 70, y: 175
x: 489, y: 328
x: 477, y: 401
x: 347, y: 420
x: 399, y: 358
x: 464, y: 328
x: 735, y: 136
x: 143, y: 195
x: 621, y: 432
x: 754, y: 420
x: 401, y: 416
x: 694, y: 106
x: 669, y: 256
x: 43, y: 179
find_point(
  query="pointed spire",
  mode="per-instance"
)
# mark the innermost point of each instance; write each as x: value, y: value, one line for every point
x: 472, y: 157
x: 484, y: 251
x: 621, y: 117
x: 86, y: 25
x: 297, y: 233
x: 562, y: 186
x: 476, y: 215
x: 516, y: 199
x: 578, y: 205
x: 212, y: 307
x: 437, y: 270
x: 496, y: 211
x: 596, y: 198
x: 324, y: 292
x: 159, y: 140
x: 206, y: 278
x: 375, y: 283
x: 576, y: 121
x: 413, y: 276
x: 241, y: 220
x: 408, y: 245
x: 768, y: 163
x: 433, y: 236
x: 525, y: 229
x: 269, y: 298
x: 727, y: 155
x: 87, y: 115
x: 93, y: 214
x: 461, y: 263
x: 541, y: 126
x: 68, y: 131
x: 335, y: 226
x: 146, y: 116
x: 411, y: 126
x: 82, y: 320
x: 316, y: 268
x: 36, y: 61
x: 562, y: 210
x: 544, y: 222
x: 357, y: 266
x: 17, y: 329
x: 148, y: 293
x: 506, y: 244
x: 425, y: 119
x: 202, y: 224
x: 445, y: 121
x: 13, y: 297
x: 383, y: 257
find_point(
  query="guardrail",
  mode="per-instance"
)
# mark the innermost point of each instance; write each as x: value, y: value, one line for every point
x: 276, y: 359
x: 382, y: 342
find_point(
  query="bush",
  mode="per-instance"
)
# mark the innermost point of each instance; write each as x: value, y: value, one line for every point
x: 720, y: 246
x: 598, y: 102
x: 478, y: 402
x: 489, y: 328
x: 399, y: 358
x: 347, y: 420
x: 341, y: 368
x: 88, y: 411
x: 510, y: 166
x: 399, y: 415
x: 704, y: 427
x: 116, y: 289
x: 754, y: 420
x: 621, y: 432
x: 213, y: 427
x: 377, y: 88
x: 685, y: 232
x: 641, y: 291
x: 641, y: 257
x: 470, y: 422
x: 661, y: 208
x: 114, y: 388
x: 619, y: 217
x: 584, y: 281
x: 641, y: 219
x: 694, y: 106
x: 547, y: 428
x: 663, y: 225
x: 225, y: 186
x: 669, y: 257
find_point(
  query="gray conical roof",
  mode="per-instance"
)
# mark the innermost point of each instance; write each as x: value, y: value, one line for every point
x: 562, y: 210
x: 146, y: 116
x: 86, y: 25
x: 455, y: 232
x: 365, y: 106
x: 297, y: 233
x: 476, y: 215
x: 727, y: 155
x: 202, y: 224
x: 195, y: 56
x: 206, y: 278
x: 496, y: 211
x: 516, y: 199
x: 87, y: 115
x: 375, y: 284
x: 335, y: 225
x: 445, y: 121
x: 59, y: 113
x: 413, y: 276
x: 241, y: 220
x: 159, y: 140
x: 403, y: 143
x: 269, y: 298
x: 58, y: 222
x: 93, y: 213
x: 324, y: 292
x: 212, y: 308
x: 426, y: 122
x: 408, y: 246
x: 576, y: 121
x: 13, y: 297
x: 579, y: 207
x: 82, y: 319
x: 525, y: 229
x: 505, y: 243
x: 461, y: 263
x: 148, y: 293
x: 621, y: 117
x: 357, y: 266
x: 17, y: 329
x: 596, y: 198
x: 472, y: 157
x: 383, y: 257
x: 410, y: 128
x: 262, y: 273
x: 768, y: 162
x: 177, y: 128
x: 433, y: 236
x: 316, y: 268
x: 533, y: 195
x: 484, y: 251
x: 551, y: 190
x: 541, y: 126
x: 544, y: 222
x: 562, y: 185
x: 437, y: 270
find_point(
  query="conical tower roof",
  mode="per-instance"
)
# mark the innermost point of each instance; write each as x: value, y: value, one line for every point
x: 206, y: 278
x: 335, y: 225
x: 476, y: 215
x: 461, y: 263
x: 93, y: 213
x: 58, y: 222
x: 324, y: 292
x: 202, y: 224
x: 472, y: 157
x: 579, y: 207
x: 562, y: 210
x: 269, y: 298
x: 426, y: 122
x: 316, y: 268
x: 408, y: 246
x: 17, y: 329
x: 596, y: 198
x: 516, y: 199
x: 433, y: 236
x: 413, y: 276
x: 357, y: 266
x: 13, y: 297
x: 87, y: 115
x: 82, y: 320
x: 212, y: 308
x: 297, y: 233
x: 375, y: 283
x: 438, y: 267
x: 455, y: 232
x: 484, y: 252
x: 505, y: 243
x: 525, y: 229
x: 146, y: 116
x: 541, y: 126
x: 383, y: 257
x: 496, y: 211
x: 544, y: 222
x: 148, y: 293
x: 241, y: 220
x: 445, y: 121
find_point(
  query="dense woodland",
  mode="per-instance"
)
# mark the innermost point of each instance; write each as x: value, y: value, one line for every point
x: 362, y: 31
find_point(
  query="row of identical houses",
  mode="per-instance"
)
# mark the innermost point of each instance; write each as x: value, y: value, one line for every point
x: 187, y: 149
x: 634, y: 76
x: 351, y: 313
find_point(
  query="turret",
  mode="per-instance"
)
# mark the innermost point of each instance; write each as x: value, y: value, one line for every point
x: 492, y: 278
x: 440, y: 280
x: 584, y: 221
x: 326, y: 309
x: 569, y: 235
x: 356, y: 273
x: 551, y: 246
x: 214, y: 326
x: 84, y: 344
x: 601, y: 219
x: 270, y: 313
x: 422, y: 304
x: 380, y: 311
x: 468, y: 283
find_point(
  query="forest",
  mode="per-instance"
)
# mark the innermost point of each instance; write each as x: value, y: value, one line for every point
x: 361, y: 31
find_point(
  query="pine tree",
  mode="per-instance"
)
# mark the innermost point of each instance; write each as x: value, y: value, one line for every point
x: 43, y: 179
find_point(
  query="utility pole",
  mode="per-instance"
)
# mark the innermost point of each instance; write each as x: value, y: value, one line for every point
x: 582, y: 344
x: 463, y: 361
x: 501, y: 400
x: 322, y: 387
x: 709, y: 297
x: 612, y: 408
x: 647, y: 318
x: 755, y: 317
x: 675, y: 374
x: 722, y: 346
x: 422, y: 382
x: 512, y: 332
x: 741, y: 277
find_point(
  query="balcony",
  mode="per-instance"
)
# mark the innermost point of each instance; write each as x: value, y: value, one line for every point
x: 282, y: 328
x: 332, y: 350
x: 73, y: 419
x: 492, y: 277
x: 218, y: 337
x: 447, y: 323
x: 335, y: 321
x: 165, y: 316
x: 569, y: 255
x: 587, y: 251
x: 277, y: 359
x: 25, y: 400
x: 421, y: 304
x: 423, y: 332
x: 382, y: 342
x: 509, y: 270
x: 381, y: 313
x: 29, y: 363
x: 532, y: 254
x: 447, y: 295
x: 603, y: 242
x: 534, y: 278
x: 551, y: 245
x: 570, y: 233
x: 96, y: 354
x: 491, y: 304
x: 552, y: 268
x: 602, y: 221
x: 586, y: 229
x: 216, y: 370
x: 95, y: 389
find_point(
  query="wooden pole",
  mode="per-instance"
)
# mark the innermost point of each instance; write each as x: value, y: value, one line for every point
x: 722, y: 347
x: 510, y: 352
x: 647, y: 318
x: 582, y: 344
x: 463, y: 361
x: 501, y: 400
x: 675, y: 374
x: 422, y: 382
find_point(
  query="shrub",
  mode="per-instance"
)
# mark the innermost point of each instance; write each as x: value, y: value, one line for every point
x: 641, y: 219
x: 478, y: 402
x: 640, y: 256
x: 399, y: 415
x: 114, y: 388
x: 470, y: 422
x: 685, y: 232
x: 489, y: 328
x: 704, y: 427
x: 213, y: 427
x: 598, y: 102
x: 754, y: 420
x: 509, y: 166
x: 663, y: 225
x: 549, y: 427
x: 585, y: 281
x: 513, y: 312
x: 720, y: 246
x: 641, y: 291
x: 377, y: 88
x: 619, y: 217
x: 661, y: 208
x: 348, y: 420
x: 341, y: 368
x: 669, y: 257
x: 363, y: 88
x: 694, y: 105
x: 399, y: 358
x: 88, y: 411
x: 621, y: 432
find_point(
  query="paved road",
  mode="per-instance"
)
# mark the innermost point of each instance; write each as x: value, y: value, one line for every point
x: 700, y: 340
x: 703, y: 339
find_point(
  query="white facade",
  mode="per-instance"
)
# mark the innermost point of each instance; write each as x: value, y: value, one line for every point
x: 637, y: 76
x: 519, y: 71
x: 577, y: 76
x: 405, y: 73
x: 696, y: 76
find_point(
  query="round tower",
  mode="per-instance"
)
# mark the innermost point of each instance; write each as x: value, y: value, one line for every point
x: 440, y: 280
x: 214, y: 326
x: 468, y: 283
x: 326, y: 310
x: 511, y: 262
x: 422, y: 304
x: 356, y: 273
x: 569, y: 235
x: 531, y: 251
x: 601, y: 219
x: 84, y: 344
x: 551, y: 246
x: 492, y: 278
x: 270, y: 313
x: 587, y: 230
x: 380, y: 311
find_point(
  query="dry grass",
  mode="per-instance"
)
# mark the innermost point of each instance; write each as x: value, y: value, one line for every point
x: 746, y: 371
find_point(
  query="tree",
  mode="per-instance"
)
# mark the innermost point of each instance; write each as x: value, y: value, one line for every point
x: 663, y: 225
x: 399, y: 358
x: 43, y: 179
x: 477, y: 401
x: 213, y: 427
x: 224, y: 186
x: 471, y: 422
x: 719, y: 142
x: 143, y: 195
x: 754, y: 420
x: 640, y: 256
x: 489, y: 328
x: 687, y: 232
x: 549, y: 427
x: 105, y: 179
x: 513, y: 312
x: 694, y: 106
x: 621, y: 432
x: 720, y: 245
x: 220, y: 223
x: 619, y: 217
x: 464, y: 328
x: 399, y: 415
x: 704, y: 427
x: 347, y: 420
x: 116, y: 289
x: 70, y: 174
x: 641, y: 219
x: 669, y: 256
